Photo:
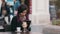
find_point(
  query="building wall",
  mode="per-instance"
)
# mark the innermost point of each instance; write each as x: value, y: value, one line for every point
x: 40, y: 12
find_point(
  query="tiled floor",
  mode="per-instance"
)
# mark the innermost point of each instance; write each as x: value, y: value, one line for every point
x: 37, y: 29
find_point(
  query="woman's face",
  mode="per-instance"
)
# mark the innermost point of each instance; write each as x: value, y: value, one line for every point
x: 23, y: 13
x: 4, y: 12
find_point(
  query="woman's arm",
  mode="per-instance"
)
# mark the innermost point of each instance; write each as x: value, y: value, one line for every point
x: 13, y: 24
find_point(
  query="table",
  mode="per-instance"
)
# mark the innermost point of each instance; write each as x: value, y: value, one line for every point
x: 19, y: 33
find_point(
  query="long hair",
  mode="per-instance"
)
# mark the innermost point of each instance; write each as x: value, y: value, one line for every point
x: 20, y: 10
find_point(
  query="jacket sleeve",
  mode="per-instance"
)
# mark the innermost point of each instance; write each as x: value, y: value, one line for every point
x: 13, y: 24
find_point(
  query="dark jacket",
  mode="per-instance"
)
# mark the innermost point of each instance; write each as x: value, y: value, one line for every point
x: 15, y: 24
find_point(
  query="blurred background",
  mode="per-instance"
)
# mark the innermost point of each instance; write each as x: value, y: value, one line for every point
x: 54, y: 9
x: 40, y: 12
x: 11, y: 6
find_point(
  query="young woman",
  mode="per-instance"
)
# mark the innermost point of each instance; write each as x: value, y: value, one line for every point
x: 5, y: 15
x: 5, y: 19
x: 18, y: 20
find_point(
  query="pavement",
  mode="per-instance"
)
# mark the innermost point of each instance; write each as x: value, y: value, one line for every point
x: 49, y: 29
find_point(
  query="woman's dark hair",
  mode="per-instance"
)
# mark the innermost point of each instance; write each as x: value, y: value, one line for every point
x: 22, y: 8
